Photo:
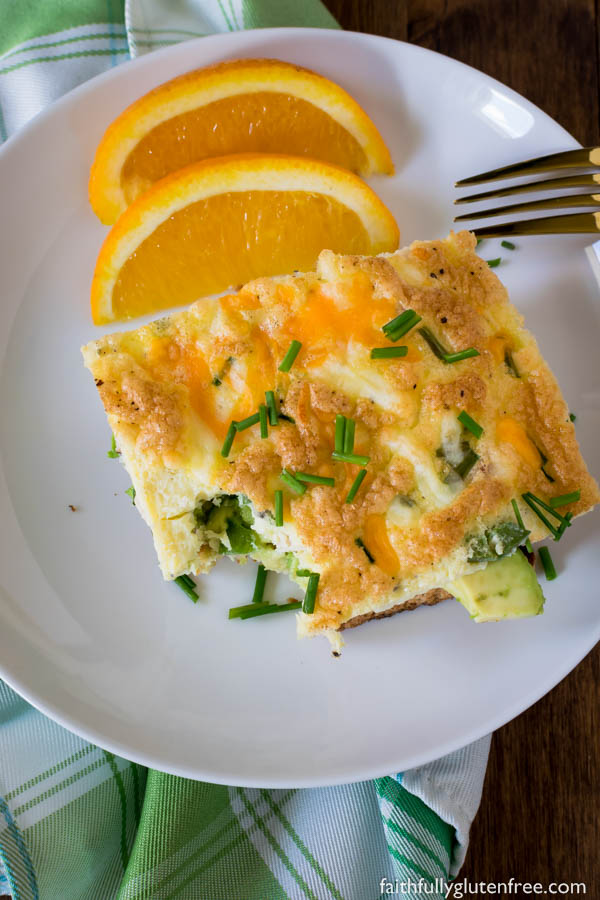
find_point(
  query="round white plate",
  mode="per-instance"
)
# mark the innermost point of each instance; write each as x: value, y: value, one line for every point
x: 90, y: 633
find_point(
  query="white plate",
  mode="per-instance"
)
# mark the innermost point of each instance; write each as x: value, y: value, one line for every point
x: 90, y: 633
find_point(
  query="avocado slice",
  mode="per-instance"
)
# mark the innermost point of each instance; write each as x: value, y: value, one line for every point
x: 505, y: 589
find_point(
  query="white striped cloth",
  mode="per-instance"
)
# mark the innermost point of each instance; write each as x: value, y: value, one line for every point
x: 77, y: 822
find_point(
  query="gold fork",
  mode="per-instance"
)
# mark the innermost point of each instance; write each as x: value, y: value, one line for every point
x: 571, y: 223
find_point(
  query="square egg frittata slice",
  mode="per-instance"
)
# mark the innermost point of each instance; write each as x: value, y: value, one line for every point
x: 447, y: 439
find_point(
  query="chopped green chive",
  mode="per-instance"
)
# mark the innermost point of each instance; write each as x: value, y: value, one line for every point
x: 573, y: 497
x: 479, y: 241
x: 349, y: 436
x: 355, y: 485
x: 218, y: 378
x: 492, y: 263
x: 303, y: 573
x: 131, y: 493
x: 508, y: 244
x: 470, y: 424
x: 290, y: 356
x: 314, y: 479
x: 563, y: 526
x: 340, y: 432
x: 259, y: 586
x: 398, y: 321
x: 182, y: 581
x: 402, y: 327
x: 248, y: 423
x: 292, y: 482
x: 231, y: 433
x: 264, y: 424
x: 510, y: 363
x: 351, y: 458
x: 401, y: 332
x: 535, y: 503
x: 547, y: 563
x: 359, y: 543
x: 272, y: 407
x: 546, y: 506
x: 551, y: 528
x: 344, y: 439
x: 462, y: 354
x: 519, y: 519
x: 469, y: 460
x: 113, y: 453
x: 438, y: 349
x: 572, y: 417
x: 388, y: 352
x: 544, y: 463
x: 235, y: 612
x: 308, y: 605
x: 261, y: 609
x: 279, y: 508
x: 189, y: 581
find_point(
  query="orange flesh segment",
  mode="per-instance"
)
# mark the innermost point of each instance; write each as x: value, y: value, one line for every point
x: 230, y: 238
x: 261, y: 122
x: 378, y: 544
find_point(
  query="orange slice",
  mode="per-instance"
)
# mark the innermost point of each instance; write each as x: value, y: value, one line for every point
x: 243, y: 106
x: 225, y: 221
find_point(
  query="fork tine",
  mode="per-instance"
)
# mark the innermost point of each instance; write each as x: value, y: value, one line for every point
x: 574, y: 223
x: 585, y: 156
x: 547, y: 184
x: 569, y: 202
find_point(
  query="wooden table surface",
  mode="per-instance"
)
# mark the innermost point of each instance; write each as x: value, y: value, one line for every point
x: 539, y: 818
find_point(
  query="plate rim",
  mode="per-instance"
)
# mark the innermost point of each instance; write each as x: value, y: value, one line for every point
x: 22, y: 684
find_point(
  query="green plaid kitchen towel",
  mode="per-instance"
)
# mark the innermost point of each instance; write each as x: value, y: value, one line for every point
x: 78, y: 822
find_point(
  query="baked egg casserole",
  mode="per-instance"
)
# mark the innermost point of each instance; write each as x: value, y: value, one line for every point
x: 384, y: 430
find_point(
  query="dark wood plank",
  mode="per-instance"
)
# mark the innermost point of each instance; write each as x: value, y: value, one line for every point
x: 388, y: 19
x: 540, y: 813
x: 544, y: 49
x: 539, y: 818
